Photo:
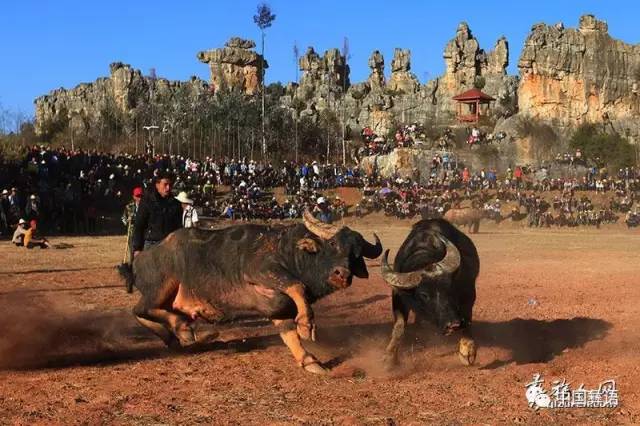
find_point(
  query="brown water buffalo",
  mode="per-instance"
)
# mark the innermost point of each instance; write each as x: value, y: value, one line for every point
x: 276, y: 272
x: 470, y: 217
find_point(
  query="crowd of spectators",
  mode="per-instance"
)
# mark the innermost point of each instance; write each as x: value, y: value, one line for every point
x: 81, y: 192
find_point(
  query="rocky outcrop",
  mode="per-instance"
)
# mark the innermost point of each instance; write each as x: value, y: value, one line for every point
x: 382, y: 103
x: 123, y: 94
x: 235, y: 66
x: 402, y: 80
x: 468, y: 66
x: 323, y: 80
x: 571, y: 76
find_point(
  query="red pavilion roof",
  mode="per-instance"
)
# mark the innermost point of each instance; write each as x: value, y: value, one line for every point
x: 473, y: 95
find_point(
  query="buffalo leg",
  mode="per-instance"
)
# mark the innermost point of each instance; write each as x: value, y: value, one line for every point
x: 467, y: 349
x: 400, y: 317
x: 159, y: 330
x: 157, y: 319
x: 304, y: 320
x: 290, y: 338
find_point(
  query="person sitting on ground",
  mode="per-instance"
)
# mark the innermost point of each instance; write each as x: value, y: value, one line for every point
x: 189, y: 214
x: 33, y: 239
x: 18, y: 235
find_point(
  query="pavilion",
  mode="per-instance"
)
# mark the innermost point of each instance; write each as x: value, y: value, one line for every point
x: 474, y: 98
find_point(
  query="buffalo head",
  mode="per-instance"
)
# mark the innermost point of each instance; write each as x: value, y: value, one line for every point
x: 344, y: 243
x: 431, y: 284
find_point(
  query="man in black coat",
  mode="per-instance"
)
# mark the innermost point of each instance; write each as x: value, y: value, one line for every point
x: 159, y: 214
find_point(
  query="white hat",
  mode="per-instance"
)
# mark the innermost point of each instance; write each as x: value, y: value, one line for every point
x: 22, y: 222
x: 33, y: 197
x: 5, y: 192
x: 321, y: 200
x: 182, y: 197
x: 112, y: 176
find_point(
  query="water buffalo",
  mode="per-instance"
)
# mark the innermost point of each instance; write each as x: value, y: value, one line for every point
x: 470, y: 217
x: 434, y: 275
x: 273, y: 271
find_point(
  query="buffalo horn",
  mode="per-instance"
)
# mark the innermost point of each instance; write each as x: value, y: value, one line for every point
x: 322, y: 230
x: 409, y: 280
x: 371, y: 251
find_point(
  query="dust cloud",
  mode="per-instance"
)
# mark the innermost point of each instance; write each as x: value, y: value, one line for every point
x: 40, y: 333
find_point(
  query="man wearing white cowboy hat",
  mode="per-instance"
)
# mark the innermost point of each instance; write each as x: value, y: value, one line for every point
x: 189, y: 214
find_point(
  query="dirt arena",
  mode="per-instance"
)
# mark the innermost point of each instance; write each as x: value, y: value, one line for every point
x: 562, y: 303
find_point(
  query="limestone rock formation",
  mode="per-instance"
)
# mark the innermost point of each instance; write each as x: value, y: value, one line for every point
x: 123, y: 93
x: 234, y: 66
x: 467, y: 65
x: 402, y: 80
x: 571, y: 76
x: 376, y: 64
x: 323, y: 78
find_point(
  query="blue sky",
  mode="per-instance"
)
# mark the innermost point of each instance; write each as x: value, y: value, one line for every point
x: 48, y: 44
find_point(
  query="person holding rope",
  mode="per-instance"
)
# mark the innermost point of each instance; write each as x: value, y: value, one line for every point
x: 128, y: 220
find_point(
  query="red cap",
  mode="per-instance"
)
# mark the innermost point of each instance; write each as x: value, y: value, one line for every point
x: 137, y: 191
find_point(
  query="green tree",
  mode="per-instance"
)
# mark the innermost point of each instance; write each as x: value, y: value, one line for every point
x: 603, y: 148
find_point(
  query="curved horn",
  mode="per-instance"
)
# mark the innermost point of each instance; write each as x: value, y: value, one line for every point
x: 322, y: 230
x: 371, y: 251
x: 408, y: 280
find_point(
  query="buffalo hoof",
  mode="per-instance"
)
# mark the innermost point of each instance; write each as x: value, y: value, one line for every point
x: 315, y: 368
x: 312, y: 365
x: 390, y: 361
x: 186, y: 336
x: 467, y: 351
x: 206, y: 335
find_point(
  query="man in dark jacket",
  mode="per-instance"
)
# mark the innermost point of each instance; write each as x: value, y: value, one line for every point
x: 159, y: 214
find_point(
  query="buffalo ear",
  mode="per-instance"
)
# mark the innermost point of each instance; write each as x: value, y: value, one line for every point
x: 359, y: 268
x: 308, y: 245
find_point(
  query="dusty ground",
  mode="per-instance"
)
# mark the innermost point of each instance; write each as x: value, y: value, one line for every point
x: 563, y: 303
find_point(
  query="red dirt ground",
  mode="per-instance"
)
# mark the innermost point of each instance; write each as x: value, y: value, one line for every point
x: 563, y: 303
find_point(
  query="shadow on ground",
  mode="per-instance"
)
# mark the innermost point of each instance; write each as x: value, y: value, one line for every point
x: 55, y: 338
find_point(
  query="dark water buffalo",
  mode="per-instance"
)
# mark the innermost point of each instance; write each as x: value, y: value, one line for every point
x: 470, y: 217
x: 434, y: 275
x: 274, y: 271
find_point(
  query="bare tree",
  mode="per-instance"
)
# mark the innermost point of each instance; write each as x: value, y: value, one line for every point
x: 263, y: 20
x: 346, y: 56
x: 296, y: 57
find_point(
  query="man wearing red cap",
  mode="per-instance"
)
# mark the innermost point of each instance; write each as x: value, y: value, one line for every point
x: 128, y: 219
